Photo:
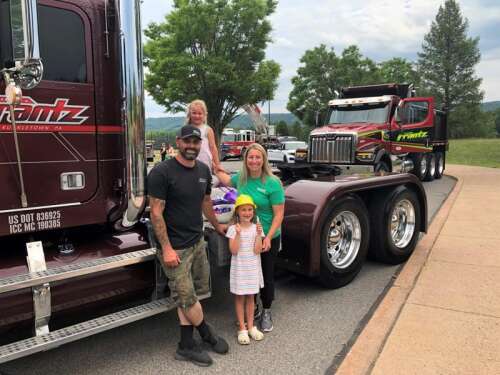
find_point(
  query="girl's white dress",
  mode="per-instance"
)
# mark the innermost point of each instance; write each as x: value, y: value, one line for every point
x: 245, y: 277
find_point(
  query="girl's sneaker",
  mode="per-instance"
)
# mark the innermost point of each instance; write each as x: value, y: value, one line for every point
x: 243, y: 338
x: 255, y: 334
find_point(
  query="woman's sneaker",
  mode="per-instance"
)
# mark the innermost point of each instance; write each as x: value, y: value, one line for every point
x: 266, y: 322
x: 257, y: 312
x: 195, y: 354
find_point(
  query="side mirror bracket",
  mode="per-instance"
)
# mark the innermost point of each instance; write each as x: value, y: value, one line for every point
x: 27, y: 71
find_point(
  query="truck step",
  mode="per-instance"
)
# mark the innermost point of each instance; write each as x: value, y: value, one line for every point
x: 73, y: 270
x: 75, y: 332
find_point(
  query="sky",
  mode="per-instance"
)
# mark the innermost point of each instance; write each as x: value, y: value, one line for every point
x: 382, y: 29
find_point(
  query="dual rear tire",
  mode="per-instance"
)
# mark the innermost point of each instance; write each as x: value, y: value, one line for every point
x: 429, y: 166
x: 388, y: 232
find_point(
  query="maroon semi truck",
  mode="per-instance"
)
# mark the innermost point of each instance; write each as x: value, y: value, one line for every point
x: 382, y: 126
x: 77, y: 254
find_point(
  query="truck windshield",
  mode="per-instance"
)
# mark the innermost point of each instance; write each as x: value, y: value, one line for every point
x: 5, y: 38
x: 367, y: 112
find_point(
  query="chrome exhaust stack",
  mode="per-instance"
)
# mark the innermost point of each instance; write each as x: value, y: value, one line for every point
x: 132, y: 107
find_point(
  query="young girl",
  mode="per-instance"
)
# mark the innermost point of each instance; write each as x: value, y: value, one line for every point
x: 245, y: 244
x: 197, y: 116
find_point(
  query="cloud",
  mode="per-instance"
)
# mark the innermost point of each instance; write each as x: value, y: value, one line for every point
x: 488, y: 70
x: 381, y: 28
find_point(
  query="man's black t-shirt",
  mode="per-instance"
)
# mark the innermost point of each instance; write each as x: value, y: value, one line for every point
x: 183, y: 190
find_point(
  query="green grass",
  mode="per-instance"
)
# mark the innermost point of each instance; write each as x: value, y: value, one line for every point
x: 480, y: 152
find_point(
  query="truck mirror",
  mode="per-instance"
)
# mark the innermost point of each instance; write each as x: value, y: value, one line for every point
x: 401, y: 113
x: 28, y: 69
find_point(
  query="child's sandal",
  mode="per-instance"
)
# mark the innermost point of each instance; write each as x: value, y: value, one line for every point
x: 243, y: 338
x: 255, y: 334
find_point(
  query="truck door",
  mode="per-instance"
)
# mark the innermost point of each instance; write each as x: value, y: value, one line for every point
x: 411, y: 125
x: 56, y: 120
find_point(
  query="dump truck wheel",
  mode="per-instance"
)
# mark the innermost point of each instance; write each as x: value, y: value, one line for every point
x: 381, y: 166
x: 420, y: 165
x: 344, y: 242
x: 439, y: 165
x: 431, y: 167
x: 395, y: 225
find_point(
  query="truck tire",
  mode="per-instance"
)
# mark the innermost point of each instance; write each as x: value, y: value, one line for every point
x: 381, y: 166
x: 431, y: 167
x: 344, y: 242
x: 420, y: 165
x: 439, y: 165
x: 395, y: 225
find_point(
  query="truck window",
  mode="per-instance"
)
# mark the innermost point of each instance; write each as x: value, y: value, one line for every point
x: 366, y: 112
x: 5, y: 39
x: 227, y: 137
x: 413, y: 113
x: 62, y: 45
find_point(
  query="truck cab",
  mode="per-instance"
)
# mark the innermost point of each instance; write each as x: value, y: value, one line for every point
x: 383, y: 126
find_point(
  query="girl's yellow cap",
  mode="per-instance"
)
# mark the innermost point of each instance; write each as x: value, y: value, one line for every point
x: 244, y: 199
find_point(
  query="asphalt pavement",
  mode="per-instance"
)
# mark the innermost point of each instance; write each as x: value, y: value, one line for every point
x: 313, y: 328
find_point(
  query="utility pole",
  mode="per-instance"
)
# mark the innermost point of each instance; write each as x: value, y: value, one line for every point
x: 269, y: 112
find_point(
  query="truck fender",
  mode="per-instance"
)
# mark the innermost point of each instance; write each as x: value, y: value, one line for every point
x: 306, y: 207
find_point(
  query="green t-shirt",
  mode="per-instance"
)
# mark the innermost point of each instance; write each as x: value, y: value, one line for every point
x: 265, y: 195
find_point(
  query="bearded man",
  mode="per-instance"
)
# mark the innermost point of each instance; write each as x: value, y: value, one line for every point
x: 179, y: 191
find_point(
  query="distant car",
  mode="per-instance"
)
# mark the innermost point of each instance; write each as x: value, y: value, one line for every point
x: 285, y: 153
x: 287, y: 138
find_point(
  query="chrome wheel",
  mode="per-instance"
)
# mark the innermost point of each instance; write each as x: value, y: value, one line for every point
x: 432, y: 165
x: 344, y: 239
x: 402, y: 223
x: 440, y: 165
x: 423, y: 166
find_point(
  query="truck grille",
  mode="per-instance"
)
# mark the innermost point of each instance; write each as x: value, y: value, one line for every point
x: 331, y: 148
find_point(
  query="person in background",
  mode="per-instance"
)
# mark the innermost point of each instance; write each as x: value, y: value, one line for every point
x: 196, y: 115
x: 179, y: 191
x: 245, y: 277
x: 163, y: 151
x: 257, y: 180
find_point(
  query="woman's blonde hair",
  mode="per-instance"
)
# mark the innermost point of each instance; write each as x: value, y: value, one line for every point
x: 266, y: 168
x: 196, y: 103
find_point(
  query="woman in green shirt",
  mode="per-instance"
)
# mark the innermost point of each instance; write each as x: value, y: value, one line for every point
x: 257, y: 180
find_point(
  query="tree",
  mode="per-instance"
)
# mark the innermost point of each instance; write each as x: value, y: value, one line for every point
x: 213, y: 50
x: 296, y: 131
x: 398, y: 70
x: 497, y: 122
x: 447, y: 63
x: 282, y: 128
x: 321, y: 75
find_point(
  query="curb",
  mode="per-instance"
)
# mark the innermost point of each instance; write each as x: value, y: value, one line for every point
x: 364, y: 353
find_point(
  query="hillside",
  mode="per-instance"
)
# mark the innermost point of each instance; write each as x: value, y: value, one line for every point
x: 490, y: 106
x: 243, y: 122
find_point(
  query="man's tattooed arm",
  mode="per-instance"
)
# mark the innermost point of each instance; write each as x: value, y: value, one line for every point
x: 157, y: 206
